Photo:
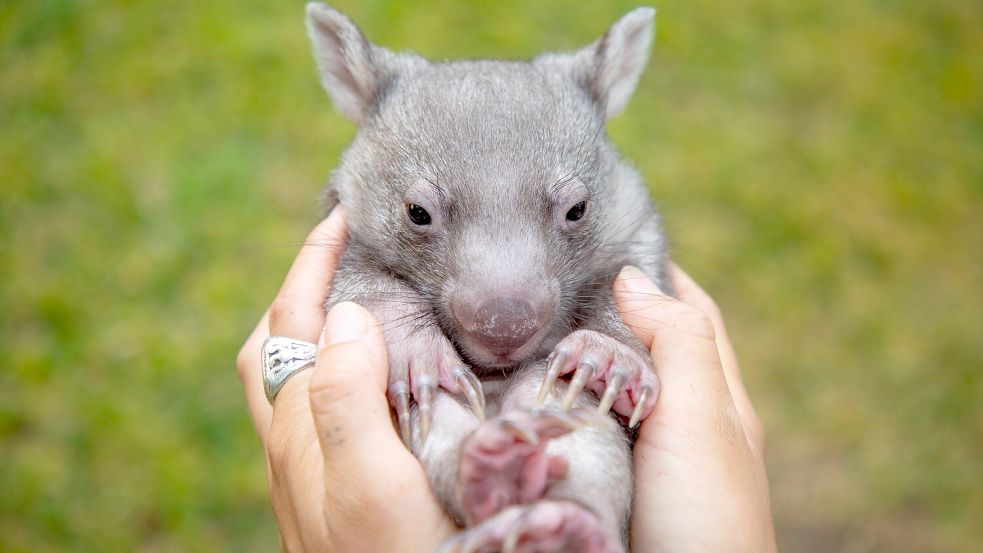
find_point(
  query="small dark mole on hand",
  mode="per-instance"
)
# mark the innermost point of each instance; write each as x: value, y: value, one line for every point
x: 332, y: 438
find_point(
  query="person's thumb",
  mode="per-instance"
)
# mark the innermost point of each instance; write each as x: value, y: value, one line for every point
x: 348, y: 388
x: 680, y: 338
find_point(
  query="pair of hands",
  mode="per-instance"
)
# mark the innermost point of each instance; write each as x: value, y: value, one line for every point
x: 340, y: 478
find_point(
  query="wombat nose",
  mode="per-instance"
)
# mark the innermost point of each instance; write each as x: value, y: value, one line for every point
x: 504, y: 324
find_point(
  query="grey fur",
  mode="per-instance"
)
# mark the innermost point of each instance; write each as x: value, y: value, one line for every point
x: 497, y: 152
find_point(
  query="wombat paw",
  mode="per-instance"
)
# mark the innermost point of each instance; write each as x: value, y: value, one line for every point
x: 419, y: 362
x: 620, y: 375
x: 504, y: 462
x: 545, y: 526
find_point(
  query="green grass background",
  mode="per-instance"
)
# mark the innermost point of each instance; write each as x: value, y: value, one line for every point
x: 820, y: 166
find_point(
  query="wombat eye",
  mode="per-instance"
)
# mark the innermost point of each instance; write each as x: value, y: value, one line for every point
x: 418, y: 215
x: 576, y: 212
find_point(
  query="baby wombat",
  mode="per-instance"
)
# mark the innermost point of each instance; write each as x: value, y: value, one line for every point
x: 488, y: 217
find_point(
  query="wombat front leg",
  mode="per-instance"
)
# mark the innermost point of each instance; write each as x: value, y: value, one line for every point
x: 605, y: 357
x: 421, y: 358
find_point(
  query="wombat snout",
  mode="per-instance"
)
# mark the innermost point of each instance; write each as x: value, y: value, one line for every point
x: 503, y: 324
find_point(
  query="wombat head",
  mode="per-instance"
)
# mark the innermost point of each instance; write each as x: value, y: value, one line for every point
x: 487, y: 186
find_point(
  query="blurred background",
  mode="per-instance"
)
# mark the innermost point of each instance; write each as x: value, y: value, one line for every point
x: 819, y: 164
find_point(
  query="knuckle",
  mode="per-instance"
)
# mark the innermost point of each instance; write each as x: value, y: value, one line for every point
x: 693, y: 320
x: 697, y: 296
x: 276, y: 453
x: 281, y: 308
x: 708, y: 306
x: 279, y: 464
x: 730, y: 426
x: 245, y: 361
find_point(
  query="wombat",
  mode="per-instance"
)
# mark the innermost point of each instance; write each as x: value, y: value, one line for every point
x: 488, y: 217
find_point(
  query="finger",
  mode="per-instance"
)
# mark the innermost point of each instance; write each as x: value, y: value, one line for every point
x: 681, y: 340
x: 248, y: 367
x: 347, y: 392
x: 650, y: 312
x: 307, y: 283
x: 691, y: 292
x: 368, y: 472
x: 298, y: 309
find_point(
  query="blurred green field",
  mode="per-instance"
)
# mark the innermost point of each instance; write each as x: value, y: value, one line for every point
x: 820, y: 166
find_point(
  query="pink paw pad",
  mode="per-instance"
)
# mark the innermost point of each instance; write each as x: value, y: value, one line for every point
x: 504, y: 462
x: 545, y: 526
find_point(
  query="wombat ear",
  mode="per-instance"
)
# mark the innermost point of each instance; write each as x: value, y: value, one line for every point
x: 353, y: 71
x: 609, y: 68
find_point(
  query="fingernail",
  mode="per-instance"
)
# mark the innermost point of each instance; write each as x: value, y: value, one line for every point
x: 336, y: 212
x: 346, y: 322
x: 634, y: 280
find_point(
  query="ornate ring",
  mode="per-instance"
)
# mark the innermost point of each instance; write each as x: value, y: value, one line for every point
x: 282, y: 358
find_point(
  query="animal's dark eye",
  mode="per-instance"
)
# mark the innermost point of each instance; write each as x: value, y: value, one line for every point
x: 576, y: 212
x: 418, y: 215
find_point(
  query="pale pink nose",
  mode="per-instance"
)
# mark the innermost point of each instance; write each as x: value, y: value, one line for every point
x: 504, y: 324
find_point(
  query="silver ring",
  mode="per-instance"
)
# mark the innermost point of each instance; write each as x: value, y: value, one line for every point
x: 282, y: 358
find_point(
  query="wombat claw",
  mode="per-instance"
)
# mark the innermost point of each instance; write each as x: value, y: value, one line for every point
x: 400, y: 395
x: 424, y: 406
x: 602, y: 363
x: 554, y: 363
x: 644, y: 400
x: 423, y: 394
x: 471, y: 387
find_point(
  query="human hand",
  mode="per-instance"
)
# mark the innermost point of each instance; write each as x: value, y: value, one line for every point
x: 340, y: 479
x: 700, y: 482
